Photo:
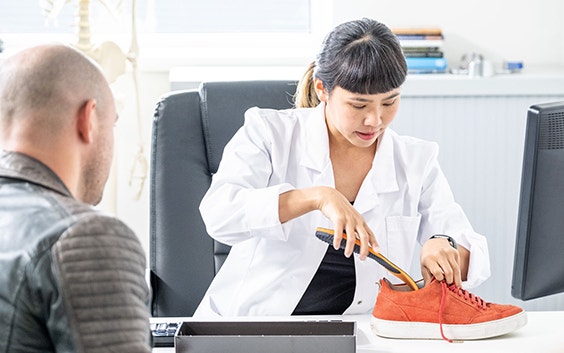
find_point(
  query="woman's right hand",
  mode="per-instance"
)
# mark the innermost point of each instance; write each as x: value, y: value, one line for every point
x: 334, y: 206
x: 344, y: 216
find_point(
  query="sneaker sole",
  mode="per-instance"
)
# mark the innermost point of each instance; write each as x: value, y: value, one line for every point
x: 426, y: 330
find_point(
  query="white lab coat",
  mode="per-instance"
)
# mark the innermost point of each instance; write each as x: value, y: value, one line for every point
x: 404, y: 199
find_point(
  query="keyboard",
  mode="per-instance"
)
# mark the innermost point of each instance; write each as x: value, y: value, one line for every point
x: 163, y: 333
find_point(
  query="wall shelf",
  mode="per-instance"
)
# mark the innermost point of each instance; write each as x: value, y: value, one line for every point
x: 530, y: 82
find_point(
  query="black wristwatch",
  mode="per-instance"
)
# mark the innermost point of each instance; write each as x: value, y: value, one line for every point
x: 451, y: 241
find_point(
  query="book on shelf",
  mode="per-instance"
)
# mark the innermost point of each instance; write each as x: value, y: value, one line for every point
x: 418, y: 30
x: 416, y: 37
x: 423, y: 54
x: 426, y: 65
x: 421, y: 43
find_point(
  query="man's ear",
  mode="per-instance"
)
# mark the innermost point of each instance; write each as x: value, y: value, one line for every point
x: 85, y: 120
x: 320, y: 89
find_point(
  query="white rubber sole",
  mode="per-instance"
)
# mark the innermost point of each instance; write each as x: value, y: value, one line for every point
x: 425, y: 330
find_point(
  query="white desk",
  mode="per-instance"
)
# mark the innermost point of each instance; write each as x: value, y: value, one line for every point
x: 544, y: 333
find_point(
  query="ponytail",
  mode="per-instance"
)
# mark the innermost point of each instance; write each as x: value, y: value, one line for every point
x: 305, y: 96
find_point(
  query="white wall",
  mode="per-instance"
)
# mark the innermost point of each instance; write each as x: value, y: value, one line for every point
x: 528, y: 30
x: 120, y: 198
x: 532, y: 31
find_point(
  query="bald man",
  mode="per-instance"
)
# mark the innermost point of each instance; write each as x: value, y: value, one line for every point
x: 71, y: 277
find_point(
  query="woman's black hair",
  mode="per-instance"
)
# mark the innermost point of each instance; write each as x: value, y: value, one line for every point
x: 361, y: 56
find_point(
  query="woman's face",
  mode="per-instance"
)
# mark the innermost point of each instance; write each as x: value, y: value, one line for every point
x: 358, y: 119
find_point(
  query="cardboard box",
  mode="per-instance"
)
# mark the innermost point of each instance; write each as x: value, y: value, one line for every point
x: 266, y: 337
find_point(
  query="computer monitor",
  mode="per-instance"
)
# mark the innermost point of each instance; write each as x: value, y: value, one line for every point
x: 538, y: 268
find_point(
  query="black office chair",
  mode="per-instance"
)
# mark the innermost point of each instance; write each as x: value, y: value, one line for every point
x: 190, y: 130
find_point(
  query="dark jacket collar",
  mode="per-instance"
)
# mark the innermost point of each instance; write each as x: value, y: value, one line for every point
x: 19, y: 166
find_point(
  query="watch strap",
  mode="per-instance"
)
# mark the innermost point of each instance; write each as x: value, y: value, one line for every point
x: 451, y: 240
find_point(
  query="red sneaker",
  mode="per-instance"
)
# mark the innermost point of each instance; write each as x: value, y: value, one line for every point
x: 439, y: 311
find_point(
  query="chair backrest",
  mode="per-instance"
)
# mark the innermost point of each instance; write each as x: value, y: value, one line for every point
x: 190, y: 130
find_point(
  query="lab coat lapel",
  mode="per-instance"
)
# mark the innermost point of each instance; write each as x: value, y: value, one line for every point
x: 316, y: 148
x: 380, y: 179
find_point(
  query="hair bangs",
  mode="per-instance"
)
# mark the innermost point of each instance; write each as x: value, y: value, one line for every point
x: 367, y: 69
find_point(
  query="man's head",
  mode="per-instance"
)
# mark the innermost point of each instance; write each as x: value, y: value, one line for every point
x: 57, y: 106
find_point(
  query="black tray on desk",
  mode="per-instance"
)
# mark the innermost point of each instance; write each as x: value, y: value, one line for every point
x: 266, y: 337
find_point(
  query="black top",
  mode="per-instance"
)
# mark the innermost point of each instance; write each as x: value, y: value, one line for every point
x: 331, y: 291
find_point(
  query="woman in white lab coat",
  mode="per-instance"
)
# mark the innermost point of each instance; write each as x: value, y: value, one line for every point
x: 333, y: 164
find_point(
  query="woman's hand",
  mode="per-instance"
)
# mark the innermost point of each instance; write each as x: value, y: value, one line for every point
x: 336, y: 208
x: 443, y: 262
x: 345, y: 217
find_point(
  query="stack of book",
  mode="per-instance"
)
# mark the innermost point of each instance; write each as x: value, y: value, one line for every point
x: 422, y: 47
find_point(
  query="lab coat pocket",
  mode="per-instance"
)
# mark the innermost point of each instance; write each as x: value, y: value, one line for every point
x: 401, y: 238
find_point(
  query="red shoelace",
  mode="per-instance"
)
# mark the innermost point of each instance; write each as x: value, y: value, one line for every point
x: 479, y: 302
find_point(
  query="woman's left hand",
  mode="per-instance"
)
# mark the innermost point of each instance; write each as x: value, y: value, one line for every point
x: 441, y: 261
